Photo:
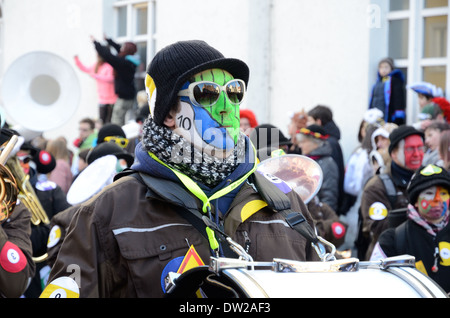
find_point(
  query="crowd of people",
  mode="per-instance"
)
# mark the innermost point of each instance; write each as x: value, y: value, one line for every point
x: 128, y: 209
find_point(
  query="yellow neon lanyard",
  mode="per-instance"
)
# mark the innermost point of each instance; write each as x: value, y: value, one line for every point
x: 198, y: 192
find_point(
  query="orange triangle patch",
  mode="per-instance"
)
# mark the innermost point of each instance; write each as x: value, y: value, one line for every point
x: 191, y: 260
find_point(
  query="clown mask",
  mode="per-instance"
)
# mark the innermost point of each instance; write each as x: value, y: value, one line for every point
x: 432, y: 203
x: 208, y: 113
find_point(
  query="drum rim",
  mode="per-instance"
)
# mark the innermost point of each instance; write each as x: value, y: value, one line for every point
x: 422, y: 284
x: 248, y: 285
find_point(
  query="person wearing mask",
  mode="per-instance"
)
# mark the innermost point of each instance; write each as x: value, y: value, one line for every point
x: 386, y: 191
x: 426, y: 233
x: 185, y: 170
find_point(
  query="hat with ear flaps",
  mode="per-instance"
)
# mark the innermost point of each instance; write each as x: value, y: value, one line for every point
x: 175, y: 64
x: 426, y: 177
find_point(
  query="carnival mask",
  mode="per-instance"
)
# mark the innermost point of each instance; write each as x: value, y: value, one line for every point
x: 208, y: 115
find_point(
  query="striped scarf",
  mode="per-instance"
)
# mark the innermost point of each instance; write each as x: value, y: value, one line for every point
x: 180, y: 154
x: 431, y: 228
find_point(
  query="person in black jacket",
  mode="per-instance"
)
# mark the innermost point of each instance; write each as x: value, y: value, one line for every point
x: 124, y: 64
x: 426, y: 232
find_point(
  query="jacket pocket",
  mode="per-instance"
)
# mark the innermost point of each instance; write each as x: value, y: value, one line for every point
x: 265, y: 240
x: 147, y: 250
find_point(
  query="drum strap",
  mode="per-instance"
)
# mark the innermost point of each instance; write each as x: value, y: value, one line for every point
x: 274, y: 197
x: 188, y: 210
x: 279, y: 201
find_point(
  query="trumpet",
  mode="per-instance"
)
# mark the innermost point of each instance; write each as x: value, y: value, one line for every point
x: 8, y: 185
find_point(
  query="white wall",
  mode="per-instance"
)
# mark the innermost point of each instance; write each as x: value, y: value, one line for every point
x: 320, y: 56
x: 300, y: 53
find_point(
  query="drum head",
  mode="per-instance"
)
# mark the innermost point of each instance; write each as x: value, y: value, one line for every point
x: 92, y: 179
x: 301, y: 173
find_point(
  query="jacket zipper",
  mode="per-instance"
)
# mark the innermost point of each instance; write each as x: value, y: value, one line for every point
x: 247, y: 242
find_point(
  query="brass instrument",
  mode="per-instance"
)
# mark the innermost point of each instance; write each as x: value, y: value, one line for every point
x: 8, y: 185
x: 26, y: 194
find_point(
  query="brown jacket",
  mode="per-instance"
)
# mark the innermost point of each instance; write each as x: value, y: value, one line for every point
x: 16, y: 264
x: 122, y: 239
x: 375, y: 195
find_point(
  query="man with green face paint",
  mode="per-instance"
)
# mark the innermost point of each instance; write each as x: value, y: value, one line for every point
x: 218, y: 124
x: 192, y: 163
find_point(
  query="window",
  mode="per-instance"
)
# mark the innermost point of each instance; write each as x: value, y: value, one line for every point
x: 135, y: 22
x: 418, y: 42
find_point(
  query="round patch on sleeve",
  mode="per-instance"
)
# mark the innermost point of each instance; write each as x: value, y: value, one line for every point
x: 338, y: 230
x: 378, y: 211
x: 12, y: 258
x: 54, y: 236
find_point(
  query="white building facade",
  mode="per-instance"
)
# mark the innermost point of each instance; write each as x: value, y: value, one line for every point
x: 301, y: 53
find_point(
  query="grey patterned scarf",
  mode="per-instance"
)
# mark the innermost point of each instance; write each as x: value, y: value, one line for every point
x: 180, y: 154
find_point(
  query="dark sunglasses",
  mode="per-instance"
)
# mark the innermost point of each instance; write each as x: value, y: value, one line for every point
x: 206, y: 93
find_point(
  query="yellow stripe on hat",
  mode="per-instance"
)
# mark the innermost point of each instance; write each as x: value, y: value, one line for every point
x: 150, y: 88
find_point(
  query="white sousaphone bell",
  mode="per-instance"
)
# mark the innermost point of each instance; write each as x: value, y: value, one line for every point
x: 40, y: 91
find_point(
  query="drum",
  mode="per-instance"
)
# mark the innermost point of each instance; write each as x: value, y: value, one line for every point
x: 92, y: 179
x: 291, y: 279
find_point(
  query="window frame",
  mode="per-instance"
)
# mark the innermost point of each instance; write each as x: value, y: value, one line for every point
x: 148, y: 38
x: 416, y: 61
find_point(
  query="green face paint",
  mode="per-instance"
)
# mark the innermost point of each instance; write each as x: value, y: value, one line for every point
x: 224, y: 113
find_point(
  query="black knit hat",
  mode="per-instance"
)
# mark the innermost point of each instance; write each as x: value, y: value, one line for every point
x: 175, y: 64
x: 425, y: 177
x: 45, y: 162
x: 108, y: 130
x: 109, y: 148
x: 401, y: 133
